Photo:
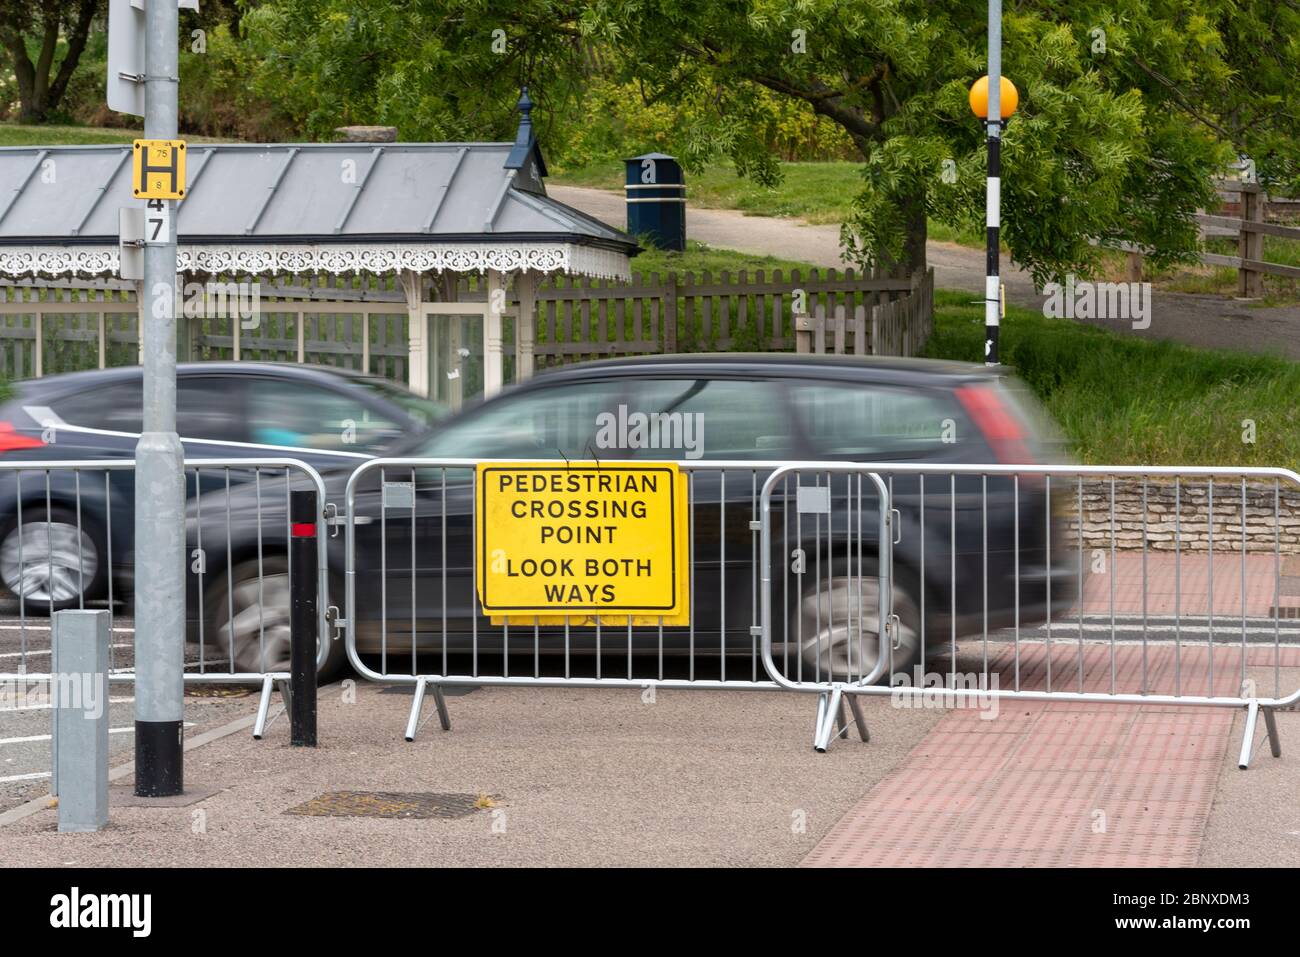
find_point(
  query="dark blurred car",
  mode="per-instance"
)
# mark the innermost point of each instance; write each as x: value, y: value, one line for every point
x: 323, y: 416
x: 768, y: 407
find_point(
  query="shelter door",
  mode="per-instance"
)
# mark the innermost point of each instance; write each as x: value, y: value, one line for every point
x: 465, y: 351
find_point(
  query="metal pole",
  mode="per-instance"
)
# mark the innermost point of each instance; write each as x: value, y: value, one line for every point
x: 159, y: 477
x: 303, y: 513
x: 992, y: 282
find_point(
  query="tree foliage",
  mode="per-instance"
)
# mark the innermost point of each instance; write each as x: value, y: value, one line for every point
x: 1129, y: 108
x: 30, y: 34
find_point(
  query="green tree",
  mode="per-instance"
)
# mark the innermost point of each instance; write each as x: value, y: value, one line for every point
x: 26, y: 27
x: 435, y: 69
x: 1128, y: 107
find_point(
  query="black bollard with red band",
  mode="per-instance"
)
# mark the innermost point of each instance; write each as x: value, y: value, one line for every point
x: 304, y: 513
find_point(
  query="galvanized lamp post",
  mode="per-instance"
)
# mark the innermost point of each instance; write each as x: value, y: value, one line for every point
x: 159, y: 477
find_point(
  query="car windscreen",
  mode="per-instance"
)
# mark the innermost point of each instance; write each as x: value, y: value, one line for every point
x: 422, y: 410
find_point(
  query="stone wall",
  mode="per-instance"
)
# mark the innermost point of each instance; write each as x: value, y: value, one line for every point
x: 1192, y: 511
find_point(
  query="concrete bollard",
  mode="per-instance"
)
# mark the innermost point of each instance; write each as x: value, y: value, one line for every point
x: 79, y: 691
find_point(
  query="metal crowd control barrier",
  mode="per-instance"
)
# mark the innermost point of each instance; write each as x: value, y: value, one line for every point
x: 411, y: 601
x: 1164, y: 586
x: 982, y: 583
x: 65, y: 540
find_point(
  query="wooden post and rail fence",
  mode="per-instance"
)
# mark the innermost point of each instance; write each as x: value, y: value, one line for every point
x: 360, y: 322
x: 1249, y: 228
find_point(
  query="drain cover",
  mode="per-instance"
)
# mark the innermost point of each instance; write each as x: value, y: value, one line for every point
x: 399, y: 804
x: 219, y: 691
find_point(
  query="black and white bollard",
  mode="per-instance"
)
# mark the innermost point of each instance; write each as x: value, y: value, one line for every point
x: 79, y: 693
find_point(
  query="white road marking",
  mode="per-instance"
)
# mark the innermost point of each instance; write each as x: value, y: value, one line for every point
x: 27, y: 777
x: 46, y: 737
x: 29, y: 627
x: 46, y: 651
x: 47, y: 707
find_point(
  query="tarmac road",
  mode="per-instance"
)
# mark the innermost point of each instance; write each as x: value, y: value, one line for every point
x: 25, y: 715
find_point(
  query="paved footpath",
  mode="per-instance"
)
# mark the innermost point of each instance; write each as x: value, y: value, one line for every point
x: 1033, y: 784
x: 1162, y: 584
x: 1076, y: 785
x: 1206, y: 321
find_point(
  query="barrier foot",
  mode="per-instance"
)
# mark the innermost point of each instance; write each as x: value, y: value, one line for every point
x: 440, y: 702
x: 1248, y: 737
x: 1270, y: 726
x: 842, y: 724
x: 828, y: 708
x: 286, y: 694
x: 413, y: 723
x: 263, y: 708
x: 856, y: 706
x: 417, y: 703
x: 822, y: 700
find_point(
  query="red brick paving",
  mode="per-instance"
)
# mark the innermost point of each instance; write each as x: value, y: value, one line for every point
x: 1163, y: 570
x: 1059, y: 784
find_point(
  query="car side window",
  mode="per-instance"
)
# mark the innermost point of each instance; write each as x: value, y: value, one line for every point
x: 211, y: 407
x: 554, y: 423
x: 301, y: 415
x: 114, y: 408
x: 847, y: 420
x: 694, y: 418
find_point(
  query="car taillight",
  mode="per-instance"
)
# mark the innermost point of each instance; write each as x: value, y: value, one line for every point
x: 997, y: 423
x: 12, y: 440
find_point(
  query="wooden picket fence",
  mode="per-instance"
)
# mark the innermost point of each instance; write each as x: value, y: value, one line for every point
x: 360, y: 322
x: 586, y: 319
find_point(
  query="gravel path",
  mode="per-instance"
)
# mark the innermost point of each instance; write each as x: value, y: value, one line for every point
x: 1206, y: 321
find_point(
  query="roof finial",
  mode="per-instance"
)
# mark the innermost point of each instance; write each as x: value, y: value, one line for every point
x: 525, y: 147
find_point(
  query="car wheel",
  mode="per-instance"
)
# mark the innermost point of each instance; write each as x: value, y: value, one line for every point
x: 837, y: 627
x: 248, y: 618
x: 52, y: 561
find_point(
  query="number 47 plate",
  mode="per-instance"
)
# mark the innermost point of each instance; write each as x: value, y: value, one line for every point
x: 157, y: 221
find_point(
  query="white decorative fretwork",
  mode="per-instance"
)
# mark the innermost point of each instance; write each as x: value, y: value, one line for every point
x: 567, y: 258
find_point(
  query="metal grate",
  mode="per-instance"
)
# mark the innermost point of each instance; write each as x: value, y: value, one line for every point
x: 394, y: 804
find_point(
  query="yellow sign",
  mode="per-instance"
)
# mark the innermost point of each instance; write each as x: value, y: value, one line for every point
x: 158, y: 169
x: 584, y: 542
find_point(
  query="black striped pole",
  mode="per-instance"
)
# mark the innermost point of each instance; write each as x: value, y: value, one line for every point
x: 992, y: 281
x: 993, y: 197
x: 303, y: 624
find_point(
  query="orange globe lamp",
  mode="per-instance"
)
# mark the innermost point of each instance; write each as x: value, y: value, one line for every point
x: 1007, y: 102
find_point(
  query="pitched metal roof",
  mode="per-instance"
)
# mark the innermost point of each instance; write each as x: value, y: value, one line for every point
x: 317, y: 193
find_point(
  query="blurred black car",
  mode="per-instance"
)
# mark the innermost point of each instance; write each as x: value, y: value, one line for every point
x: 59, y: 557
x: 760, y: 408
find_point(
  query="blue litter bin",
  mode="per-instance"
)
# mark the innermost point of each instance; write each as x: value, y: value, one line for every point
x: 656, y: 200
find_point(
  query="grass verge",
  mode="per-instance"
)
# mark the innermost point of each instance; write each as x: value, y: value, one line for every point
x: 19, y: 134
x: 1127, y: 400
x: 1119, y: 399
